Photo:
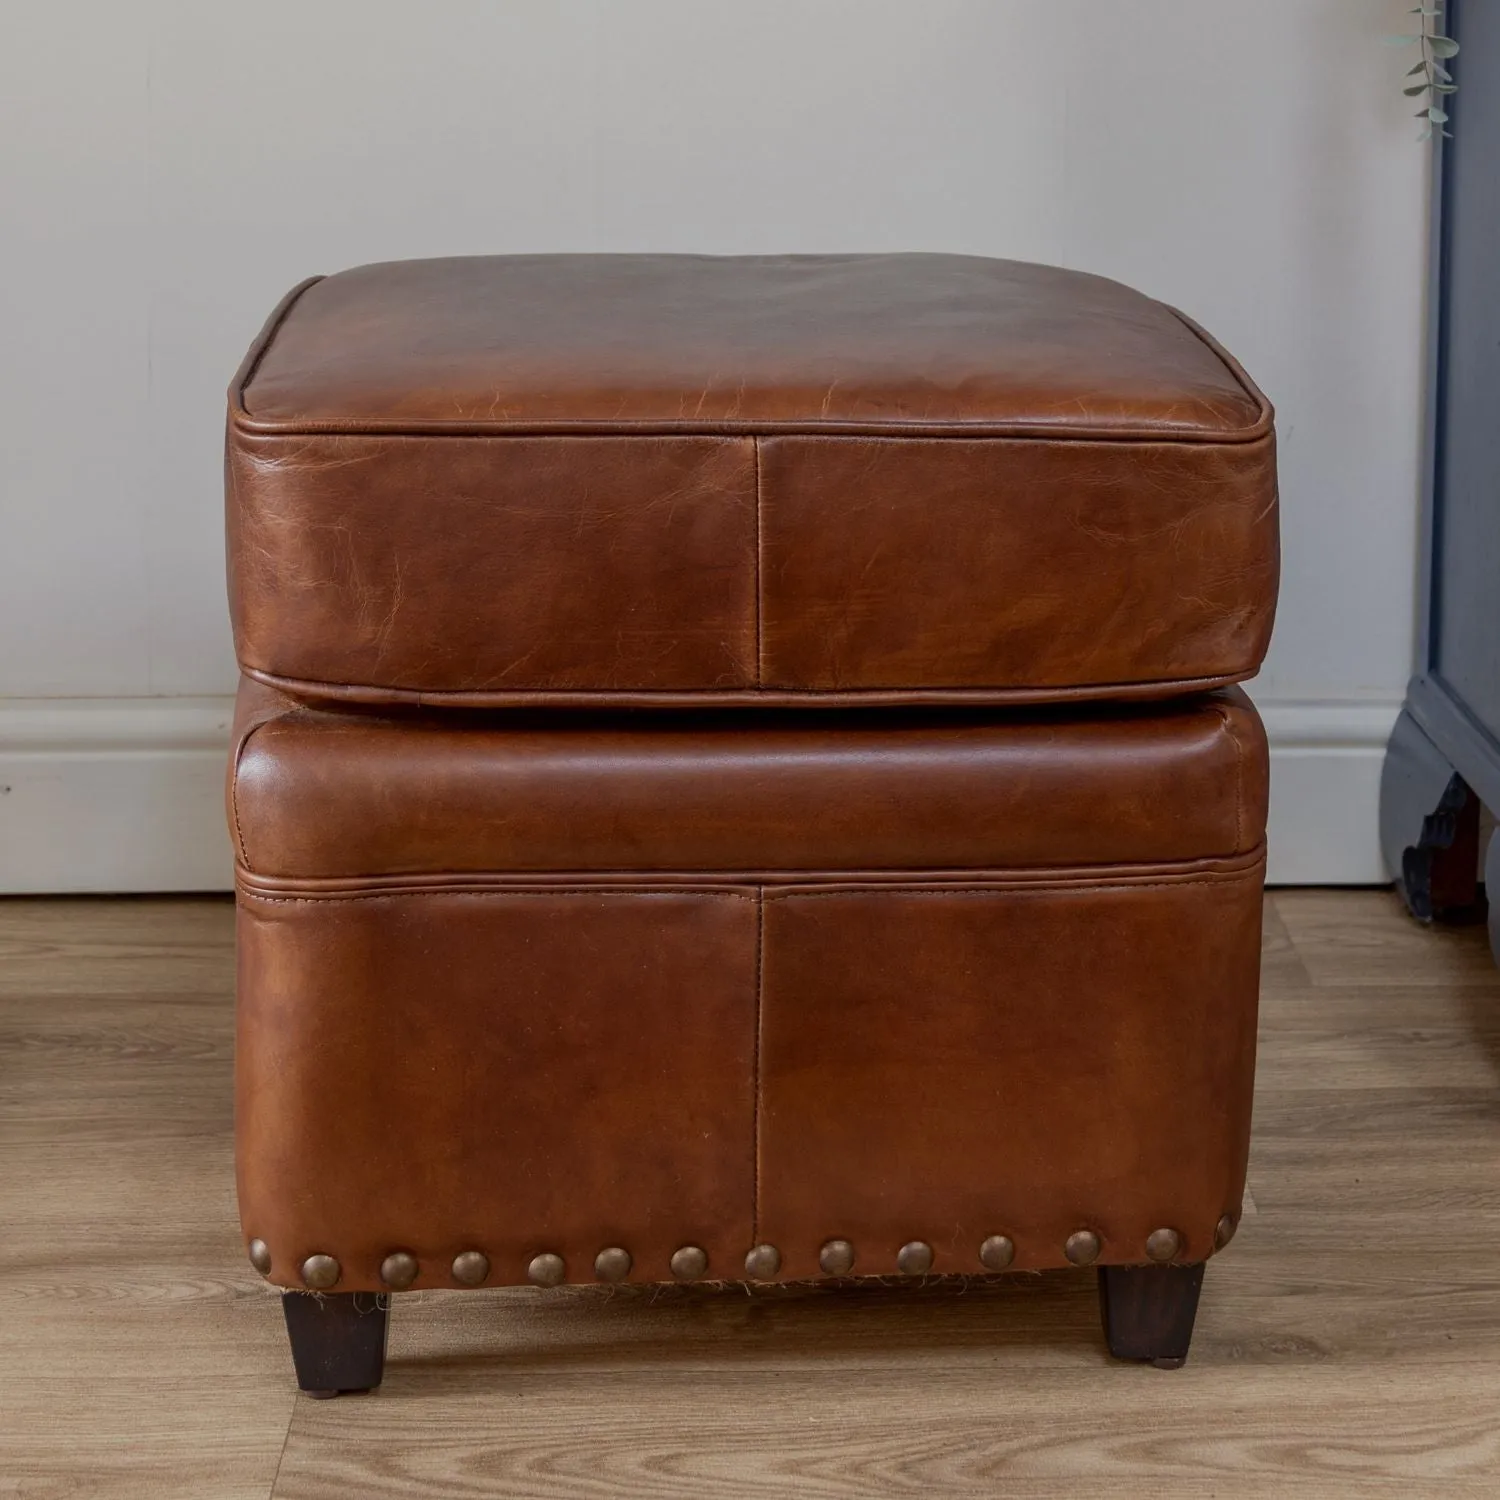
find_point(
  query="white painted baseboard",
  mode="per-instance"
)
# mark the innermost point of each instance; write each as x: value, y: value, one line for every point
x: 127, y: 794
x: 113, y: 794
x: 1325, y: 791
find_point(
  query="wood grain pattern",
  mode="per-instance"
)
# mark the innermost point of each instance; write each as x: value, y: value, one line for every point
x: 1348, y: 1343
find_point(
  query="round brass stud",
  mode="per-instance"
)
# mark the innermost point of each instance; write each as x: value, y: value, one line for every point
x: 997, y: 1252
x: 1163, y: 1244
x: 470, y: 1267
x: 398, y: 1270
x: 320, y: 1272
x: 1224, y: 1231
x: 689, y: 1263
x: 1083, y: 1247
x: 260, y: 1256
x: 612, y: 1264
x: 546, y: 1269
x: 836, y: 1258
x: 914, y: 1259
x: 763, y: 1262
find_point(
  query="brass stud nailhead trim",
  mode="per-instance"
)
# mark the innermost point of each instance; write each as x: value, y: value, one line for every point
x: 1083, y: 1247
x: 546, y: 1269
x: 1224, y: 1231
x: 689, y: 1263
x: 763, y: 1262
x: 320, y: 1272
x: 612, y: 1264
x: 1163, y: 1244
x: 260, y: 1256
x: 836, y: 1258
x: 471, y: 1267
x: 997, y: 1252
x: 398, y: 1270
x: 914, y: 1258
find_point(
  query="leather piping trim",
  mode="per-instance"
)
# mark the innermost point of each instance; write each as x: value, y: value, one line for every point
x: 749, y: 884
x: 1061, y: 430
x: 263, y: 341
x: 748, y: 697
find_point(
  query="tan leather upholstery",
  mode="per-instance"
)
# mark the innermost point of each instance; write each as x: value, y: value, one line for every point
x: 330, y: 795
x: 564, y: 480
x: 543, y: 989
x: 891, y: 922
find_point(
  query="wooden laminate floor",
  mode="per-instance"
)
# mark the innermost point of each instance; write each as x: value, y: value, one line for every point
x: 1348, y: 1343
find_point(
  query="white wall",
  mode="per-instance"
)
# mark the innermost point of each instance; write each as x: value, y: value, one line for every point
x: 169, y: 167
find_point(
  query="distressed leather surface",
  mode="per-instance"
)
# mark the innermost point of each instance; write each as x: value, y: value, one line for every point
x: 669, y: 480
x: 661, y: 980
x: 320, y: 795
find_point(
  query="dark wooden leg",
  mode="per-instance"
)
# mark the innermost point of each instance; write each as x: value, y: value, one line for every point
x: 1492, y: 885
x: 338, y: 1340
x: 1429, y: 828
x: 1148, y: 1311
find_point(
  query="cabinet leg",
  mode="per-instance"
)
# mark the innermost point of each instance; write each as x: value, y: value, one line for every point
x: 1492, y: 886
x: 338, y: 1340
x: 1429, y: 828
x: 1148, y: 1311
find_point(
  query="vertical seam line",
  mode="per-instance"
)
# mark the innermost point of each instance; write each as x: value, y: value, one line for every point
x: 759, y: 633
x: 760, y: 949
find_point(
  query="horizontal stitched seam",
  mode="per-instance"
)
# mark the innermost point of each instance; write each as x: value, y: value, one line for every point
x: 936, y: 432
x: 1013, y: 890
x: 1074, y: 692
x: 498, y: 891
x: 784, y: 893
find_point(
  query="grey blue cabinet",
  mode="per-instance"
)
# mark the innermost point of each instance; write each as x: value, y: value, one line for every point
x: 1443, y: 764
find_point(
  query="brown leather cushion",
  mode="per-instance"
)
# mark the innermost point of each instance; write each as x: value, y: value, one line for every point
x: 675, y: 479
x: 722, y: 979
x: 339, y: 796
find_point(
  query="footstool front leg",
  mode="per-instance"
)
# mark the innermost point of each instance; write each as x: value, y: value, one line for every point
x: 338, y: 1340
x: 1148, y: 1311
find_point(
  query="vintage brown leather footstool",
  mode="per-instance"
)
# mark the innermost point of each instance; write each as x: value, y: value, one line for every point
x: 738, y: 777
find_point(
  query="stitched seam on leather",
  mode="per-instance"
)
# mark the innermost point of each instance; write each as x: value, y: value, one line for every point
x: 1239, y: 777
x: 262, y: 346
x: 497, y: 891
x: 1182, y: 687
x: 1231, y: 364
x: 741, y: 881
x: 786, y: 893
x: 1058, y: 435
x: 759, y: 627
x: 1187, y: 883
x: 760, y: 951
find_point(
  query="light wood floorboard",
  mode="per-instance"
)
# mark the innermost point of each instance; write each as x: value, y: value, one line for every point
x: 1348, y: 1343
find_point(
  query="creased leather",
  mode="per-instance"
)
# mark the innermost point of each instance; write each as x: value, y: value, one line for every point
x: 661, y: 480
x: 726, y: 791
x: 445, y: 1045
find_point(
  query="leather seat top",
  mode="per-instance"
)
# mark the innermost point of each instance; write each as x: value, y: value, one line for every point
x: 790, y: 479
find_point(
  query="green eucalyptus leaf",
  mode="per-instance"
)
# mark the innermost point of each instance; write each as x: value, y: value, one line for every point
x: 1440, y: 115
x: 1445, y: 88
x: 1442, y: 46
x: 1421, y: 88
x: 1441, y: 71
x: 1421, y: 67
